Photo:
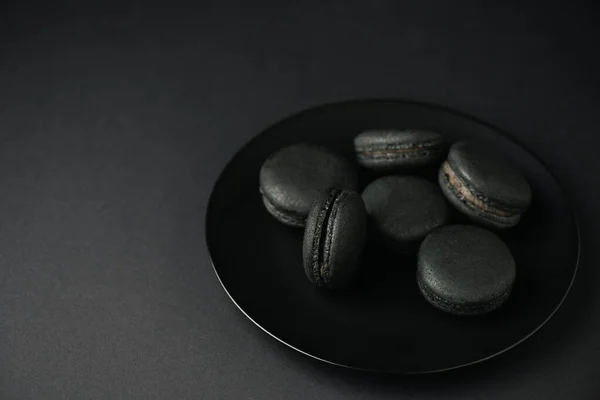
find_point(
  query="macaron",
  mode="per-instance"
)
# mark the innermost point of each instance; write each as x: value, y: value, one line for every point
x: 465, y: 270
x: 484, y: 186
x: 292, y: 178
x: 334, y: 237
x: 404, y: 209
x: 398, y: 149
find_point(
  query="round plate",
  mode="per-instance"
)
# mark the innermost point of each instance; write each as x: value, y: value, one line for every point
x: 383, y: 324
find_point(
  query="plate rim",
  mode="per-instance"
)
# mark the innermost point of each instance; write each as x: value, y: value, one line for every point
x: 405, y: 101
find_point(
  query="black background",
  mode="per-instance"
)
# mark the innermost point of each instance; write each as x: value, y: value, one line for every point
x: 116, y: 119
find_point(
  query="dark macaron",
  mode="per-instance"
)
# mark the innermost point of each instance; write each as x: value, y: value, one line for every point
x: 397, y: 149
x: 405, y: 209
x: 292, y: 178
x: 484, y: 186
x: 333, y: 238
x: 465, y: 270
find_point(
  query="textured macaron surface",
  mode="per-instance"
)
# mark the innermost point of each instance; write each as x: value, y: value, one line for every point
x: 292, y: 178
x: 394, y: 148
x: 395, y: 138
x: 465, y: 269
x: 405, y: 208
x: 334, y: 237
x: 489, y: 176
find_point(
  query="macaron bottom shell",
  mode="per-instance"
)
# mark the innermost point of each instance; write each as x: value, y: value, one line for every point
x: 287, y: 217
x: 456, y: 308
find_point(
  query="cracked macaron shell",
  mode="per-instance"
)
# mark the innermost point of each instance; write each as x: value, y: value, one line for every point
x: 334, y: 237
x: 465, y: 270
x: 292, y: 178
x: 382, y: 149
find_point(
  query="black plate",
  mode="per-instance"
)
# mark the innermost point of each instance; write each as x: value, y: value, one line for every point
x: 383, y: 324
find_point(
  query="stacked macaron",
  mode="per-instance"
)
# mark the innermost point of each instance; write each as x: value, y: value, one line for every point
x: 461, y: 268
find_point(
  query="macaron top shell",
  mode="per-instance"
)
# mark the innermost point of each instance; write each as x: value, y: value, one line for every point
x: 466, y: 265
x: 489, y: 175
x: 293, y: 177
x: 373, y: 139
x: 405, y: 208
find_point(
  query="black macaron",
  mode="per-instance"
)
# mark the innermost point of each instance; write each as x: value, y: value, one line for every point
x: 465, y: 270
x: 292, y: 178
x: 398, y: 149
x: 484, y: 186
x: 404, y: 209
x: 333, y: 238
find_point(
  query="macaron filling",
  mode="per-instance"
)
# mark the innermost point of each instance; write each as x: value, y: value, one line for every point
x: 398, y: 150
x: 323, y: 238
x: 471, y: 198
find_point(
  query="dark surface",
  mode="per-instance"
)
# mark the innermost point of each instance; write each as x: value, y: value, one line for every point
x: 116, y: 122
x: 404, y: 209
x: 334, y: 239
x: 292, y: 178
x: 465, y: 269
x: 366, y: 327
